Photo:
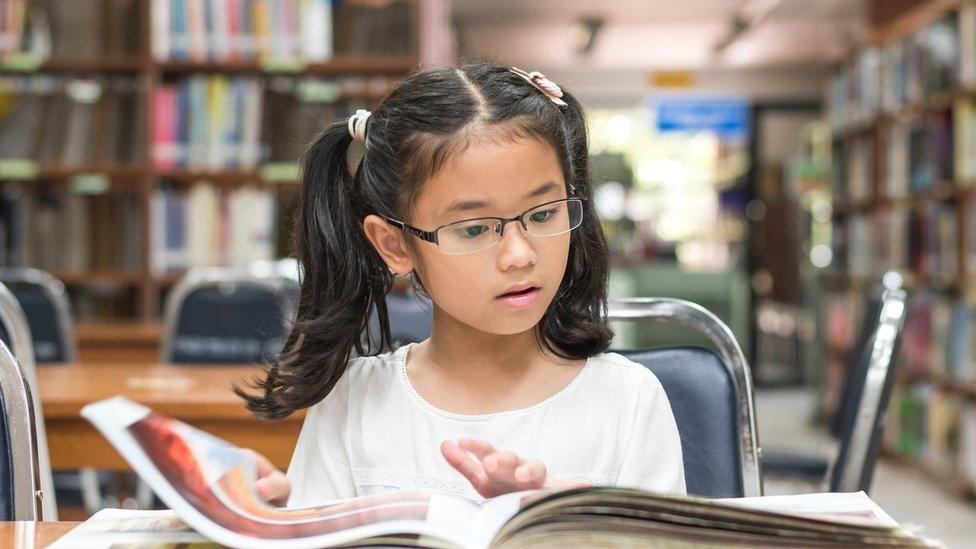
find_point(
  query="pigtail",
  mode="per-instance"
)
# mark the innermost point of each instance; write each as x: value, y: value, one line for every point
x: 343, y: 278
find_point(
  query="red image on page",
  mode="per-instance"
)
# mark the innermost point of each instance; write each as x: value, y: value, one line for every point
x: 229, y: 499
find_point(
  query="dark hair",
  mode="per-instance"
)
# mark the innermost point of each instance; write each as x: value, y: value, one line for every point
x: 425, y: 120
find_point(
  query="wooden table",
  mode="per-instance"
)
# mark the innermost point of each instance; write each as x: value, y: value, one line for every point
x: 118, y: 342
x: 201, y: 396
x: 31, y: 535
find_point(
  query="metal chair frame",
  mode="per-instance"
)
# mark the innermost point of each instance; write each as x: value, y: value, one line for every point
x: 696, y: 317
x: 20, y: 379
x: 867, y: 422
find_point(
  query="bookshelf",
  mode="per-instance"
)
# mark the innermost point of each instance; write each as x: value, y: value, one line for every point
x: 211, y: 104
x: 902, y: 111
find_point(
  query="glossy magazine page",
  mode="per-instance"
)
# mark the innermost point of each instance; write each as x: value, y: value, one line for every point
x: 209, y: 483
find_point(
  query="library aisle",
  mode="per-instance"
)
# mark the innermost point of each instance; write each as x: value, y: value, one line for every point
x: 910, y: 498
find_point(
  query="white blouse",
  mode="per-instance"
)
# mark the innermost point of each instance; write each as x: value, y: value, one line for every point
x: 612, y: 425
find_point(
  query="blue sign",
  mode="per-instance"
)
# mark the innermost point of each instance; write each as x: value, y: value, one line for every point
x: 727, y: 117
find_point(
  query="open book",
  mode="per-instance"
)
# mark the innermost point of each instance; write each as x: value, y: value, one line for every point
x: 209, y: 486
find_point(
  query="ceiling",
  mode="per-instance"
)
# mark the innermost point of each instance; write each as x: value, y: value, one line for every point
x: 660, y: 34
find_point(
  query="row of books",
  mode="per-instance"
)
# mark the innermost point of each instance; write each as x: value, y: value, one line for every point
x: 928, y: 150
x: 52, y: 228
x: 207, y: 226
x: 218, y: 122
x: 852, y: 169
x: 71, y: 121
x: 921, y: 153
x: 905, y: 71
x: 934, y: 427
x: 938, y: 341
x: 923, y: 240
x: 207, y: 121
x: 308, y: 30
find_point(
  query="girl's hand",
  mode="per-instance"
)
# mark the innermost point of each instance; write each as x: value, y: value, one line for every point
x: 272, y: 485
x: 493, y: 473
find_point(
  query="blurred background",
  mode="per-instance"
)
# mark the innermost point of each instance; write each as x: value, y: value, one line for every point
x: 767, y: 159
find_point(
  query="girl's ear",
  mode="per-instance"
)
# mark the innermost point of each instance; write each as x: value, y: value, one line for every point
x: 389, y: 242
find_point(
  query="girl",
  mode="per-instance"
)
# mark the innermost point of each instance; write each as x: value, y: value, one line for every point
x: 474, y: 182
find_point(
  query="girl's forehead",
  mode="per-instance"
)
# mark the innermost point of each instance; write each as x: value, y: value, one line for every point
x: 498, y: 174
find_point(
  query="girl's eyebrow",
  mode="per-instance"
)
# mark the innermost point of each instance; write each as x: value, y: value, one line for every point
x: 463, y: 205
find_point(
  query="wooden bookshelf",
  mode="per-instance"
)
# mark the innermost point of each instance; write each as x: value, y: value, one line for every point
x: 954, y: 193
x: 338, y: 65
x: 149, y: 74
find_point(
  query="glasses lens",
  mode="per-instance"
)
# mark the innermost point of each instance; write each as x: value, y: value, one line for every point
x: 556, y: 218
x: 468, y: 236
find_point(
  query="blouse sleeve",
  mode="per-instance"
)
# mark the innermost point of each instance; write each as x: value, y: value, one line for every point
x: 319, y: 470
x: 653, y: 459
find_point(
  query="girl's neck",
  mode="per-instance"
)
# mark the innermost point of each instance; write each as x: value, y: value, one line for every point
x: 467, y: 371
x: 464, y: 353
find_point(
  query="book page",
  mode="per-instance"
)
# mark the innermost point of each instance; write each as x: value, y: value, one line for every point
x: 856, y: 506
x: 128, y: 527
x: 210, y: 484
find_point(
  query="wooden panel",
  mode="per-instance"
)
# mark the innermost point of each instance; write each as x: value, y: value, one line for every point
x: 106, y: 342
x: 31, y: 535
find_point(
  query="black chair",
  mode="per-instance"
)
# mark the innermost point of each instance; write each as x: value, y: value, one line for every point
x: 710, y: 395
x: 226, y: 316
x: 27, y: 484
x: 865, y: 395
x: 48, y: 313
x: 411, y: 318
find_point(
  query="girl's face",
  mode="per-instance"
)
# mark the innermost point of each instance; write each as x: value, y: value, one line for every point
x: 502, y: 180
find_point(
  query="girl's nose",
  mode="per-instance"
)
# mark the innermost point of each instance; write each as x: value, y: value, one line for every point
x: 515, y: 249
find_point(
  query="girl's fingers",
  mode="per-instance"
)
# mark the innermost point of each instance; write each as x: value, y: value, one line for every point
x: 273, y: 488
x: 480, y: 448
x: 531, y: 472
x: 465, y: 464
x: 501, y: 463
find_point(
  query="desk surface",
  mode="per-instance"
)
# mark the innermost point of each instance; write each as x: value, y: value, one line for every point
x: 31, y: 535
x: 183, y: 391
x: 201, y: 396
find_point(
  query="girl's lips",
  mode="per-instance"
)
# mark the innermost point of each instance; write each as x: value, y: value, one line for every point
x: 520, y: 299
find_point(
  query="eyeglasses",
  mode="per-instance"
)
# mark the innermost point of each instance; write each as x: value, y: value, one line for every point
x: 473, y: 235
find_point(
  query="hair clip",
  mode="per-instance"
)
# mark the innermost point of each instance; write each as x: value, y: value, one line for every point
x: 543, y: 84
x: 357, y: 124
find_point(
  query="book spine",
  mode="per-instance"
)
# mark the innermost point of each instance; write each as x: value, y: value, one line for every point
x: 196, y: 28
x: 235, y: 47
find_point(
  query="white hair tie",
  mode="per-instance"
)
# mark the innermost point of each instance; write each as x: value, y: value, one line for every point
x: 357, y: 124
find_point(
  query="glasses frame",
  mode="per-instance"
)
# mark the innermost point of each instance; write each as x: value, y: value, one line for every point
x: 431, y: 236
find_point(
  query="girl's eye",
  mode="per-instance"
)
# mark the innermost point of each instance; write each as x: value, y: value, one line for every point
x: 472, y: 231
x: 540, y: 217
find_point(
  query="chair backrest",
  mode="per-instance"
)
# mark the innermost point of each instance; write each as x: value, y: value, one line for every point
x: 860, y: 353
x: 48, y: 311
x: 411, y: 318
x: 710, y: 395
x: 870, y: 392
x: 220, y: 315
x: 20, y: 494
x: 15, y: 373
